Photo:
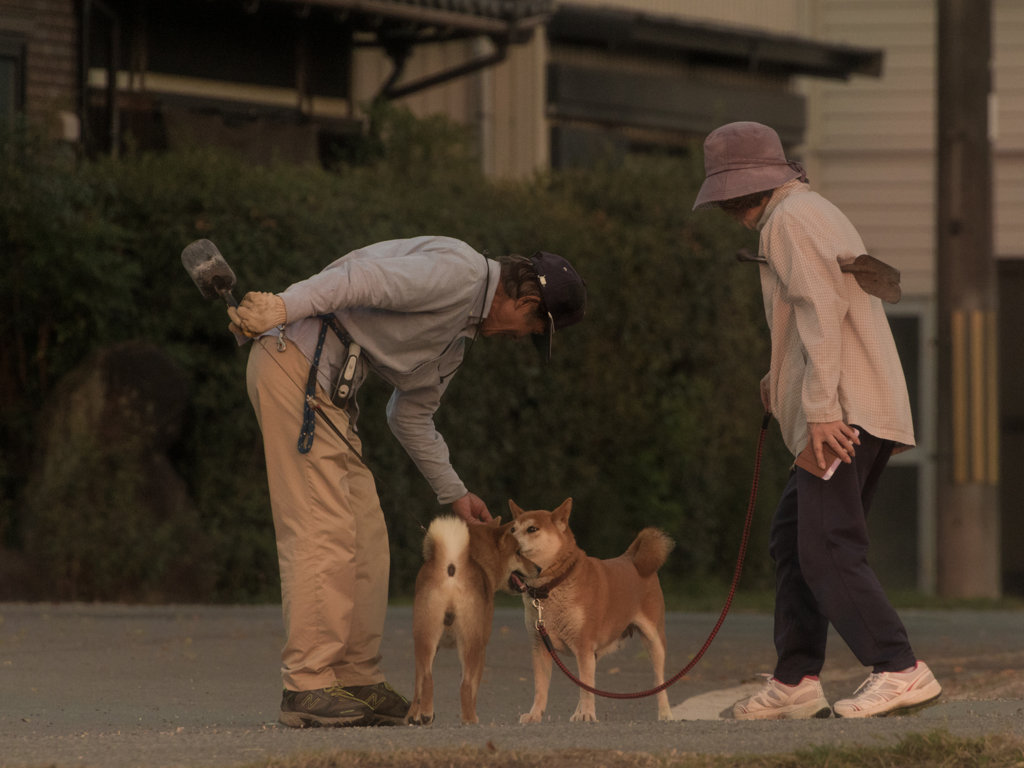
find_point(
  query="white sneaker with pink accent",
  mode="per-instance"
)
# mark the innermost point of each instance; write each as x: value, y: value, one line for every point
x: 778, y: 701
x: 885, y: 692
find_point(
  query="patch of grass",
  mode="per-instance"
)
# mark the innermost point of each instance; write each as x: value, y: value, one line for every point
x: 921, y: 750
x: 709, y: 596
x: 914, y: 599
x: 938, y: 749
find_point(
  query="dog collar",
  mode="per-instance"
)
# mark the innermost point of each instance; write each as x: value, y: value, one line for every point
x: 542, y: 592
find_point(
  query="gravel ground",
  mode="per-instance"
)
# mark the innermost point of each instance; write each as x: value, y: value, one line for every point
x: 110, y: 685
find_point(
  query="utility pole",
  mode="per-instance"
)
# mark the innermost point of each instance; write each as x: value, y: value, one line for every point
x: 968, y: 417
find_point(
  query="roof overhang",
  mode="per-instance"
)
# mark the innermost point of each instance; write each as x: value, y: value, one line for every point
x: 702, y: 43
x: 505, y: 18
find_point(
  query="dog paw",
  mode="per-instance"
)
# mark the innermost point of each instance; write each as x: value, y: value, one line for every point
x: 531, y: 717
x: 421, y: 720
x: 665, y: 715
x: 583, y: 717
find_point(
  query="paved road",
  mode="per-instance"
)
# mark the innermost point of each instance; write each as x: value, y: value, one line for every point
x: 109, y: 685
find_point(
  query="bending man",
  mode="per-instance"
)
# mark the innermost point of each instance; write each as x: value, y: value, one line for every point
x: 407, y: 310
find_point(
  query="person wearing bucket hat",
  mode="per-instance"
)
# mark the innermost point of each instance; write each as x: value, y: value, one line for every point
x: 407, y: 310
x: 835, y: 383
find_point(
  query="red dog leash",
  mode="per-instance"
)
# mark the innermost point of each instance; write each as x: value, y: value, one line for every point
x: 732, y: 592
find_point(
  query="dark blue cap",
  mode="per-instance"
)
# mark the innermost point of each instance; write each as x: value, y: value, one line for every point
x: 565, y: 297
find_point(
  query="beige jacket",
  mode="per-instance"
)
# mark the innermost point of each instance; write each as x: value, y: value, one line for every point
x: 833, y: 355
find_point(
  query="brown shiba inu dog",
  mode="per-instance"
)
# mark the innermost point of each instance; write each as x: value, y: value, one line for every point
x: 592, y: 605
x: 454, y: 603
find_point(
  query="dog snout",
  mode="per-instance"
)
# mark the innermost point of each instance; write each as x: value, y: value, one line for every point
x: 530, y: 568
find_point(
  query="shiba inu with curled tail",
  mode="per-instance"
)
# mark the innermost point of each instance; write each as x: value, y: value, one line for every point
x: 592, y: 605
x: 454, y: 604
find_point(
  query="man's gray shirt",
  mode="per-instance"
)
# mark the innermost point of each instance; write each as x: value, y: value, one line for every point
x: 410, y: 305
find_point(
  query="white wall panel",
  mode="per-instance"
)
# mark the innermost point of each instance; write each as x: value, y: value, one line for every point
x: 1008, y: 75
x: 871, y: 141
x: 1009, y: 205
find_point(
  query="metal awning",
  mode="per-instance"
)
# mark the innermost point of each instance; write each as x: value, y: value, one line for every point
x: 702, y: 43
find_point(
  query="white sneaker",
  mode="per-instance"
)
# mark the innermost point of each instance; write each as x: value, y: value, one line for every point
x: 885, y: 692
x: 778, y: 701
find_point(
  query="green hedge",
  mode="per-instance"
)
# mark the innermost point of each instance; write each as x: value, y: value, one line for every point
x: 647, y: 416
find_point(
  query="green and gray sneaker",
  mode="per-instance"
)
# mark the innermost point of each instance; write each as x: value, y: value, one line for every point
x: 389, y: 707
x: 324, y: 707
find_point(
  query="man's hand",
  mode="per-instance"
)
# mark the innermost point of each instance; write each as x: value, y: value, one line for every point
x: 766, y: 393
x: 257, y: 313
x: 838, y: 435
x: 472, y: 509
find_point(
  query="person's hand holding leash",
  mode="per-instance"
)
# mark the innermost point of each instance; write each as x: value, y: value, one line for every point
x: 472, y: 509
x: 838, y: 435
x: 766, y: 393
x: 258, y: 312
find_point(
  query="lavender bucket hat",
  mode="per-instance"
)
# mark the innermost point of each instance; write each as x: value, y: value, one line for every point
x: 743, y: 158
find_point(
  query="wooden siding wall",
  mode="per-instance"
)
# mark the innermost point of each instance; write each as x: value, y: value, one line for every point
x: 50, y: 30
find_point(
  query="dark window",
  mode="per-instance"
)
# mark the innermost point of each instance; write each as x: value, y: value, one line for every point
x: 892, y: 520
x: 892, y: 528
x: 1011, y: 421
x: 220, y: 41
x: 906, y: 332
x: 12, y: 76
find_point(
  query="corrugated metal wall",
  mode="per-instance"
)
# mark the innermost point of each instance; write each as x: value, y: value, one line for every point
x: 371, y: 68
x: 503, y: 104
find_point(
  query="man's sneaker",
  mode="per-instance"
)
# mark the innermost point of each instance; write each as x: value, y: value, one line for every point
x: 778, y: 701
x: 885, y: 692
x: 388, y: 706
x: 332, y: 706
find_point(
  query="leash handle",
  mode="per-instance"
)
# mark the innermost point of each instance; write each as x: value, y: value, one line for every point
x: 728, y: 603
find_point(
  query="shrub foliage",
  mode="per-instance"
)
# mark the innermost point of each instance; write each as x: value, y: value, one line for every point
x: 648, y: 414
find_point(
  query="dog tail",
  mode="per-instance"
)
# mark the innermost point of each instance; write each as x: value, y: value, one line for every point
x: 446, y: 540
x: 650, y: 550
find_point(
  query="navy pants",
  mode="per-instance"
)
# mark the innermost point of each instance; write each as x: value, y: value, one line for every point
x: 819, y: 542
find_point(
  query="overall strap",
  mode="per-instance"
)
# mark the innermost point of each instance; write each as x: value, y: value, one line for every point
x: 308, y: 415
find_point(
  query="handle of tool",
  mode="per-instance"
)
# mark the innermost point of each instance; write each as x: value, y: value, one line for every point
x: 230, y: 299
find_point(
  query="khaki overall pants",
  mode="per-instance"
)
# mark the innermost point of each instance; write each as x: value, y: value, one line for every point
x: 332, y: 542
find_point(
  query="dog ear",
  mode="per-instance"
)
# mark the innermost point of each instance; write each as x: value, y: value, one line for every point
x: 495, y: 521
x: 561, y: 515
x: 514, y: 509
x: 504, y: 537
